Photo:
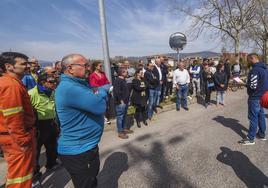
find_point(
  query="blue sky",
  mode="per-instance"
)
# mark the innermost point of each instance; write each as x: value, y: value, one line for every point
x: 50, y: 29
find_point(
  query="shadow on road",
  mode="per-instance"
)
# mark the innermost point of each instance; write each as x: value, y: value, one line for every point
x: 58, y: 178
x: 200, y: 100
x: 42, y: 159
x: 232, y: 124
x: 143, y: 137
x: 129, y: 121
x: 176, y: 140
x: 213, y: 101
x: 112, y: 169
x: 243, y: 168
x: 160, y: 172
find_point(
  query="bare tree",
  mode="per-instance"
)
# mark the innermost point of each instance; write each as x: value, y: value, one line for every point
x: 259, y: 32
x: 228, y: 18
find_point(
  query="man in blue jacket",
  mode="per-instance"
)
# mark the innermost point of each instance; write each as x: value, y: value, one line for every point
x: 256, y: 86
x: 195, y: 71
x: 80, y: 113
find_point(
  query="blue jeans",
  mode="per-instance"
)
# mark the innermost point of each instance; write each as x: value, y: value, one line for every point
x: 182, y: 96
x: 152, y: 102
x: 220, y: 97
x: 256, y: 119
x: 158, y: 91
x: 121, y: 113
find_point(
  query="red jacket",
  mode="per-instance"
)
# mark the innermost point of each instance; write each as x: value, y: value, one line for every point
x: 96, y: 80
x: 16, y: 113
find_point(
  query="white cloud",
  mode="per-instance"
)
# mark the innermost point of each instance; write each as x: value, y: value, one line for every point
x: 132, y: 31
x: 144, y: 32
x: 52, y: 51
x: 76, y: 25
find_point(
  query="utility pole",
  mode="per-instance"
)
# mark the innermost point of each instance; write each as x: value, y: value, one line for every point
x: 105, y: 46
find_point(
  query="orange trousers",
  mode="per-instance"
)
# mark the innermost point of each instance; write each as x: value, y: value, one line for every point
x: 20, y: 163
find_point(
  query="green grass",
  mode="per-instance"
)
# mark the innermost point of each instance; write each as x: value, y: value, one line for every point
x: 171, y: 100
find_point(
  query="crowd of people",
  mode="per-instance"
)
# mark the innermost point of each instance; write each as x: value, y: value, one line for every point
x: 64, y: 107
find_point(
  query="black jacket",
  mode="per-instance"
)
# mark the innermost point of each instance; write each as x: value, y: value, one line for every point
x: 150, y: 81
x: 156, y: 73
x: 164, y: 72
x: 220, y: 78
x: 227, y: 69
x: 138, y: 96
x: 207, y: 77
x: 120, y: 91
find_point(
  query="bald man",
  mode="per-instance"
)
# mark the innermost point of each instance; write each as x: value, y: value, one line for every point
x: 80, y: 113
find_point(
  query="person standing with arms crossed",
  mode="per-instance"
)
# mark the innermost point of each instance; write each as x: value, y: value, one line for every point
x: 80, y: 111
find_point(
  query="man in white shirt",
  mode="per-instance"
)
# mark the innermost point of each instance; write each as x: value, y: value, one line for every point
x: 181, y: 79
x: 157, y: 71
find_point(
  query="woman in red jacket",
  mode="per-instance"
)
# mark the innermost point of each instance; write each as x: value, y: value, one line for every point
x: 98, y: 79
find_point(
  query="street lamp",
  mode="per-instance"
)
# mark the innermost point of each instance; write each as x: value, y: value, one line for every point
x: 177, y: 42
x: 105, y: 46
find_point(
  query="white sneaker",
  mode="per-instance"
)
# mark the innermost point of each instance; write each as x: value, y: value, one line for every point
x: 106, y: 121
x: 111, y: 89
x: 246, y: 142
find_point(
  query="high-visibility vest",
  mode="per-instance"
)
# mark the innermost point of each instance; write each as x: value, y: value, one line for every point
x: 43, y: 104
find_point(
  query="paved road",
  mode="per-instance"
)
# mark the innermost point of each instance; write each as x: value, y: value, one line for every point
x: 182, y: 149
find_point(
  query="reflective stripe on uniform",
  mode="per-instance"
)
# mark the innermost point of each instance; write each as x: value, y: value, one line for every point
x: 19, y: 179
x: 11, y: 111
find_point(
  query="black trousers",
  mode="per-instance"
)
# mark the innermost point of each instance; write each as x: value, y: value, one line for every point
x: 228, y: 79
x: 169, y: 88
x: 46, y: 135
x: 140, y: 113
x: 83, y: 168
x: 208, y: 94
x: 129, y: 89
x: 163, y: 91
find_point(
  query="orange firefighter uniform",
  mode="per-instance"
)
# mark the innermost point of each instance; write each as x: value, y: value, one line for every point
x: 17, y: 134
